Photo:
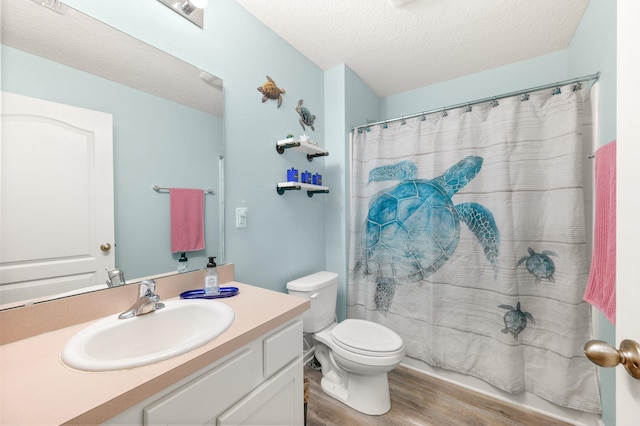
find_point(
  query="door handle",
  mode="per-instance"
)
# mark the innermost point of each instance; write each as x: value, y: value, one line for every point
x: 105, y: 247
x: 605, y: 355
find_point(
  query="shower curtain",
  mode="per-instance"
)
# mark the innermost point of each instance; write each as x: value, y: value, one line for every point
x: 468, y: 240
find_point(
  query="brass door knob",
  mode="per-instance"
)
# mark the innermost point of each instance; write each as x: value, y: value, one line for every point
x: 605, y: 355
x: 105, y: 247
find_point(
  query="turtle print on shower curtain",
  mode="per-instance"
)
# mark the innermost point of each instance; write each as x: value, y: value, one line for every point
x: 467, y: 238
x: 413, y: 228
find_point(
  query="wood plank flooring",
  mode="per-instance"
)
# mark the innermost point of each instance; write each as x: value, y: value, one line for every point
x: 420, y: 399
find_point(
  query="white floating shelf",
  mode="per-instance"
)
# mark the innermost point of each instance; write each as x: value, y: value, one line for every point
x: 297, y: 186
x: 305, y: 147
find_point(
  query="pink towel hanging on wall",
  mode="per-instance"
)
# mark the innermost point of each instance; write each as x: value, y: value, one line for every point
x: 601, y: 287
x: 187, y: 219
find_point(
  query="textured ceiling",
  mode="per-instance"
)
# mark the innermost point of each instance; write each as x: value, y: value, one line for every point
x: 400, y: 45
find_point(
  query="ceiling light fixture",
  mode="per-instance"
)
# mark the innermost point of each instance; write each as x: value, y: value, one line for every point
x: 189, y: 9
x: 188, y: 6
x: 54, y: 5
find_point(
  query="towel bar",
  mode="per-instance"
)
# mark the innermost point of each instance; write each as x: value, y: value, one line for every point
x: 158, y: 189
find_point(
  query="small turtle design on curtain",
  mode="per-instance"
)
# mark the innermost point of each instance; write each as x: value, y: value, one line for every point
x: 540, y: 265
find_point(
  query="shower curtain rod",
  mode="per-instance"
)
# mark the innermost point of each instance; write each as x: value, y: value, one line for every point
x: 557, y: 85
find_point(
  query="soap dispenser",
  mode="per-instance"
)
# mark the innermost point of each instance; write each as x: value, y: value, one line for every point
x: 183, y: 262
x: 211, y: 286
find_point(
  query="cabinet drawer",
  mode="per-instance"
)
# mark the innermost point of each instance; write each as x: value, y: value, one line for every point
x: 281, y: 347
x: 205, y: 398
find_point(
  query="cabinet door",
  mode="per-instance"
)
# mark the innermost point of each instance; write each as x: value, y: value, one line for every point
x: 206, y: 397
x: 278, y: 401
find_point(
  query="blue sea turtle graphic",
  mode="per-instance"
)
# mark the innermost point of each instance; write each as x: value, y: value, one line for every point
x: 413, y: 228
x: 515, y: 320
x: 539, y: 264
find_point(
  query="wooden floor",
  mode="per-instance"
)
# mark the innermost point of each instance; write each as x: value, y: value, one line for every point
x: 420, y: 399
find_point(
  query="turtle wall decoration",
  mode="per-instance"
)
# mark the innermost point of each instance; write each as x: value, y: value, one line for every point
x: 413, y: 229
x: 540, y: 265
x: 305, y: 116
x: 270, y: 90
x: 515, y: 320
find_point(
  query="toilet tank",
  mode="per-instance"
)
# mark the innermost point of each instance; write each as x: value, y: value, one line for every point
x: 322, y: 290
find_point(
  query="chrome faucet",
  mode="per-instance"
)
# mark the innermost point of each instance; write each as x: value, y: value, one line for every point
x: 116, y: 277
x: 148, y: 301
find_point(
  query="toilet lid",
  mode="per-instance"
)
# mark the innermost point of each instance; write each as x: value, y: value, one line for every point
x: 365, y: 335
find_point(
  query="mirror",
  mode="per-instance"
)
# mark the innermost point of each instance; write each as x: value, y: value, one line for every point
x: 167, y: 130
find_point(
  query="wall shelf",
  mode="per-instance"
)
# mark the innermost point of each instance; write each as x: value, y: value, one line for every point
x: 282, y: 187
x: 312, y: 151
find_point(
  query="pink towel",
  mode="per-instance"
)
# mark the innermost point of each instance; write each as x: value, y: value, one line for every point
x: 187, y: 219
x: 601, y: 287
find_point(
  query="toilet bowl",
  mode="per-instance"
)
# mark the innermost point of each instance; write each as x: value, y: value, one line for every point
x: 355, y: 355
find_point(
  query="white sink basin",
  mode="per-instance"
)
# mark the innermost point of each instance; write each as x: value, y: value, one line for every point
x: 116, y: 344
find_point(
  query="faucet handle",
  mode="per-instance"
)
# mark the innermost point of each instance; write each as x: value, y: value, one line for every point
x: 115, y: 277
x: 147, y: 288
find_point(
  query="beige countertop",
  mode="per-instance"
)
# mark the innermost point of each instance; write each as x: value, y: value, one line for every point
x: 37, y: 388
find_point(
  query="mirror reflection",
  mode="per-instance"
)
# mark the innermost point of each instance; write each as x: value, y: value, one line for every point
x: 78, y: 198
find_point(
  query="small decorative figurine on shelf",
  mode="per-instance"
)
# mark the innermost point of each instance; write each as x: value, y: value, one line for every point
x: 305, y: 116
x: 270, y: 90
x: 305, y: 139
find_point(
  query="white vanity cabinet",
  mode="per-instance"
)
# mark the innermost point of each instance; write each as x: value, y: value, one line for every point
x: 260, y: 383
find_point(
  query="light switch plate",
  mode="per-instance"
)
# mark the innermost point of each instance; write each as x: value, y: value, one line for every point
x: 241, y: 217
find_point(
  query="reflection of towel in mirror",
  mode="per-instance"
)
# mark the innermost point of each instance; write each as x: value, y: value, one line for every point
x: 601, y: 287
x: 187, y: 219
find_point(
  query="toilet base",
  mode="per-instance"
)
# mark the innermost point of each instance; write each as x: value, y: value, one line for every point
x: 368, y: 394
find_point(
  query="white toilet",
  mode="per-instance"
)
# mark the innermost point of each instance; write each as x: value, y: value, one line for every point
x: 355, y: 354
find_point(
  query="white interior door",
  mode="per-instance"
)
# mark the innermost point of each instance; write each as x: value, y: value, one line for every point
x: 56, y: 198
x: 628, y: 204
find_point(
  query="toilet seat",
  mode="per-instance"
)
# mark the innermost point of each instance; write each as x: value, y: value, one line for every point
x: 366, y: 338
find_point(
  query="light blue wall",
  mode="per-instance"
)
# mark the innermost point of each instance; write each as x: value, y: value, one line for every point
x: 336, y: 211
x: 285, y: 237
x: 348, y: 101
x: 594, y: 48
x: 181, y: 153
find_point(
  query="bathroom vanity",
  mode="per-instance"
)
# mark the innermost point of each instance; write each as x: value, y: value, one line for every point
x: 259, y: 383
x: 251, y: 372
